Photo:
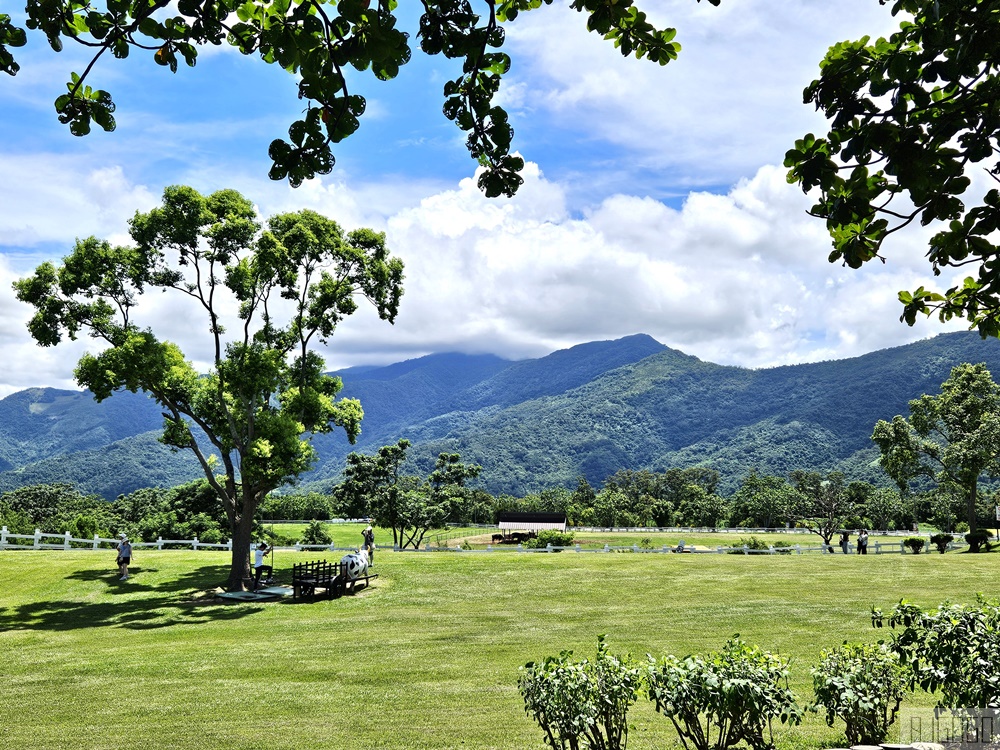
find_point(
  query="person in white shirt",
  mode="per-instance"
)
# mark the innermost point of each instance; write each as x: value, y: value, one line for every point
x: 258, y: 564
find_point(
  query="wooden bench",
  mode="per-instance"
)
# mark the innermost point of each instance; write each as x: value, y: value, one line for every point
x: 311, y: 578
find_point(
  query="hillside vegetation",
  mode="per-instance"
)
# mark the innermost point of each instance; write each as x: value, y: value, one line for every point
x: 590, y: 410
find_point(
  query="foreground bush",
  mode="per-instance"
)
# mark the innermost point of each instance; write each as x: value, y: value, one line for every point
x: 862, y: 684
x: 578, y: 702
x: 725, y: 698
x: 953, y: 650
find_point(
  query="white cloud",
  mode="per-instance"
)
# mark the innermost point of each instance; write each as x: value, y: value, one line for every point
x: 730, y: 103
x: 737, y: 276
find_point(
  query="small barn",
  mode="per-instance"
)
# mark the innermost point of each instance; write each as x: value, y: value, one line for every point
x: 527, y: 525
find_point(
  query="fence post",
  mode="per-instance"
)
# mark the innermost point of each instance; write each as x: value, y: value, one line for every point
x: 746, y: 550
x: 229, y: 545
x: 66, y: 541
x: 798, y: 548
x: 635, y: 547
x: 194, y: 544
x: 3, y: 537
x: 38, y: 538
x: 770, y: 549
x: 878, y: 548
x: 159, y: 542
x: 96, y: 541
x: 548, y: 547
x: 607, y: 548
x: 577, y: 547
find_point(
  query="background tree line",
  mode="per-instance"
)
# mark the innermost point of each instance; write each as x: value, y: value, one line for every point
x: 675, y: 497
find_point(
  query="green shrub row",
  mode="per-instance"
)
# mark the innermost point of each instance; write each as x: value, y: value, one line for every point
x: 737, y: 694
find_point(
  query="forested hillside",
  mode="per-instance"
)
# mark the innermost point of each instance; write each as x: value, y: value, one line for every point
x: 589, y: 410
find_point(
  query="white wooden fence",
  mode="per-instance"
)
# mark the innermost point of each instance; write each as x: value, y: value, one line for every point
x: 875, y: 548
x: 40, y: 540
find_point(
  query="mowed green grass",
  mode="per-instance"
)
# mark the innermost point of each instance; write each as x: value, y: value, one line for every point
x: 427, y: 657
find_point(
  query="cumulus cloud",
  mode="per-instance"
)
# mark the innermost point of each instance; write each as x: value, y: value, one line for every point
x: 736, y: 274
x: 730, y: 103
x: 740, y: 278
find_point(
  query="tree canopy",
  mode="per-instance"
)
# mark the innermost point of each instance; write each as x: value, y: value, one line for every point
x: 951, y: 439
x: 251, y: 417
x: 911, y: 117
x: 317, y: 41
x: 375, y: 486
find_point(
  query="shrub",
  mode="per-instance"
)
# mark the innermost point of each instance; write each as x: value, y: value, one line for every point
x: 951, y: 651
x: 316, y: 533
x: 725, y: 698
x: 751, y: 543
x: 582, y: 701
x: 550, y: 536
x: 862, y: 684
x: 914, y: 544
x: 979, y: 540
x: 941, y: 541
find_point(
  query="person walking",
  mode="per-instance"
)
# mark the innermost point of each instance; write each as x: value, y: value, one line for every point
x: 259, y: 567
x: 124, y: 556
x: 368, y: 535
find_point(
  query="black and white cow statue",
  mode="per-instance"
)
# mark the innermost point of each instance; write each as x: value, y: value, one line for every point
x: 357, y: 564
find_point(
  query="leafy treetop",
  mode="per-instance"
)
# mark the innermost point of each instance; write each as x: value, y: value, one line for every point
x: 317, y: 41
x: 266, y: 393
x: 910, y: 117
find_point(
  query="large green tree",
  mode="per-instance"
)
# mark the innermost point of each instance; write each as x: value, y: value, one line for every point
x: 826, y: 505
x: 765, y: 501
x: 317, y: 41
x: 375, y: 486
x: 911, y: 117
x: 951, y: 439
x: 250, y: 417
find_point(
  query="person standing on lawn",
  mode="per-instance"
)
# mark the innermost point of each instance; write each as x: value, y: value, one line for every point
x: 124, y: 556
x: 368, y: 535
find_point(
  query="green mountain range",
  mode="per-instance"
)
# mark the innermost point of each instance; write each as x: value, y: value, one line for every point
x: 589, y: 410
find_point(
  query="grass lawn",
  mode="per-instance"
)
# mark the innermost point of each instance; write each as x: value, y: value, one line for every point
x: 426, y: 658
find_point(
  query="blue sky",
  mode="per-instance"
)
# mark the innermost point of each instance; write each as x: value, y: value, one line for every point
x: 654, y: 198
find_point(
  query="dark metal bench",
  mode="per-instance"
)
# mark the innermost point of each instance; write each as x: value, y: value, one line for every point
x: 311, y: 578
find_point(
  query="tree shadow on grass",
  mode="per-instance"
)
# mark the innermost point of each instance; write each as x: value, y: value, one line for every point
x: 180, y: 601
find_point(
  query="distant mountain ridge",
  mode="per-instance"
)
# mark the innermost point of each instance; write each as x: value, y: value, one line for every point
x: 588, y: 410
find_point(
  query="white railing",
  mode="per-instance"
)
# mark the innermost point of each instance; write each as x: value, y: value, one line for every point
x: 44, y: 540
x: 875, y: 548
x: 66, y: 542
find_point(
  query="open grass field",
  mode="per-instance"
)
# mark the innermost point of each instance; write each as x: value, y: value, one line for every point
x: 426, y: 658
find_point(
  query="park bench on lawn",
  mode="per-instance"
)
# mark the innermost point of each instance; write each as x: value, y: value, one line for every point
x: 309, y: 578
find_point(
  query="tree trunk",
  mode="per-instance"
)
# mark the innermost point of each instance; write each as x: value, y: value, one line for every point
x: 240, y: 568
x: 972, y: 504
